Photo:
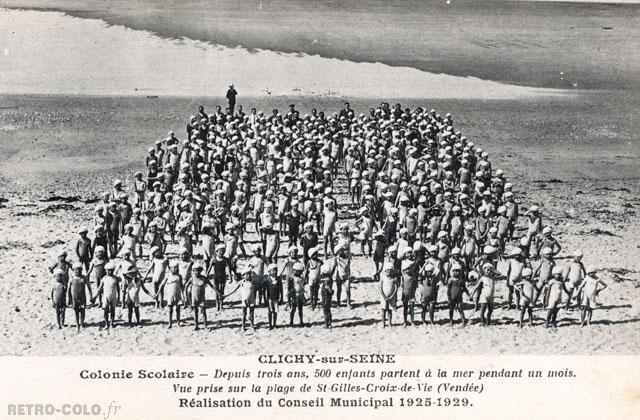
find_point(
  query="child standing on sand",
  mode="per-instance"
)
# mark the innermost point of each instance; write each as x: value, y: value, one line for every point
x: 248, y: 298
x: 173, y: 287
x: 83, y: 249
x: 485, y: 288
x: 553, y: 296
x: 274, y: 294
x: 77, y: 297
x: 366, y: 224
x: 343, y: 274
x: 63, y: 265
x: 588, y: 292
x: 427, y: 292
x: 380, y: 247
x: 131, y: 294
x: 271, y: 242
x: 297, y: 294
x: 573, y: 276
x: 455, y: 288
x: 327, y: 293
x: 329, y: 218
x: 109, y: 289
x: 409, y: 284
x: 312, y: 275
x: 158, y: 269
x: 198, y: 283
x: 218, y: 268
x: 528, y: 292
x: 388, y: 292
x: 58, y: 296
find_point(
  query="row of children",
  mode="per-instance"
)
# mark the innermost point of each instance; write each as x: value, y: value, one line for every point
x: 422, y: 192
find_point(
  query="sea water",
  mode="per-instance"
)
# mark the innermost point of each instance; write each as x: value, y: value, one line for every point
x: 45, y: 52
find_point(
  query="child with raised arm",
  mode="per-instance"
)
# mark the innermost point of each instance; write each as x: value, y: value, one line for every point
x: 427, y: 292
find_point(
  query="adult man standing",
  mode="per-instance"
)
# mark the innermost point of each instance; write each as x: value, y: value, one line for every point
x: 231, y: 96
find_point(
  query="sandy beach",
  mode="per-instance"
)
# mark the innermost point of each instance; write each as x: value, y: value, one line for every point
x: 551, y: 92
x: 589, y: 192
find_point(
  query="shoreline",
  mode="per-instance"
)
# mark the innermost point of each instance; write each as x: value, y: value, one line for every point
x: 500, y: 58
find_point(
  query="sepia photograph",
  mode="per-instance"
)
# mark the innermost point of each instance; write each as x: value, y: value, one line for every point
x: 243, y: 177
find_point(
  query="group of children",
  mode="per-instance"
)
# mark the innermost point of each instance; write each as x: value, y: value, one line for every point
x: 414, y: 195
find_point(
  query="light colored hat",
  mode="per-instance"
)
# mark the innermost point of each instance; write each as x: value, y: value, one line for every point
x: 272, y: 266
x: 388, y: 266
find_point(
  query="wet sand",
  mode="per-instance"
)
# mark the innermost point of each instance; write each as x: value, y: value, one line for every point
x: 575, y: 158
x: 595, y: 46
